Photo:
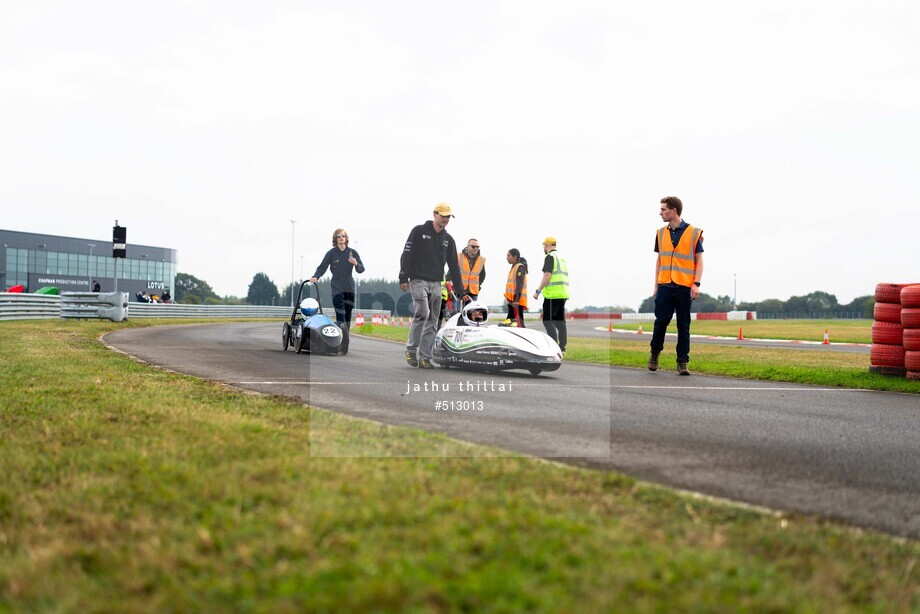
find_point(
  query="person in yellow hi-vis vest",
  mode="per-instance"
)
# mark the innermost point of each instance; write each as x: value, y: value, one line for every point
x: 472, y: 268
x: 555, y: 289
x: 678, y: 271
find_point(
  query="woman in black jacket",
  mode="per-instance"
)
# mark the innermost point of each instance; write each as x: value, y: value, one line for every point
x: 341, y: 260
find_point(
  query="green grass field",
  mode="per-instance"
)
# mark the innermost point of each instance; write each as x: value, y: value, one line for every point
x: 125, y: 488
x: 820, y: 368
x: 838, y: 331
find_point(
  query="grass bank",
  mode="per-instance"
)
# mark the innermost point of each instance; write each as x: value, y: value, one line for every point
x: 821, y: 368
x: 838, y: 331
x: 126, y: 488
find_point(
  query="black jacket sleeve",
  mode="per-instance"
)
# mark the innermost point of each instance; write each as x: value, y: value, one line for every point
x: 360, y: 266
x: 321, y: 269
x: 453, y: 268
x: 405, y: 261
x: 519, y: 283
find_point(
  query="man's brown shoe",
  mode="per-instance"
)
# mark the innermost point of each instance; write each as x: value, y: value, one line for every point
x: 682, y: 368
x: 653, y: 361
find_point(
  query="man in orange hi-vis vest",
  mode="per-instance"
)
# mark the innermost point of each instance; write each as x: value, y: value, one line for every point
x: 472, y: 268
x: 678, y: 271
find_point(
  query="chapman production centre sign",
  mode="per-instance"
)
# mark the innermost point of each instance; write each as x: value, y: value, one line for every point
x: 62, y: 283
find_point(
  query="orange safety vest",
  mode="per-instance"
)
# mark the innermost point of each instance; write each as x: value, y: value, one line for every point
x: 679, y: 264
x: 470, y: 276
x: 509, y: 287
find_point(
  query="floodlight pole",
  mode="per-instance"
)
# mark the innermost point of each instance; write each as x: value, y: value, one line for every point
x: 293, y: 222
x: 89, y: 268
x: 735, y: 292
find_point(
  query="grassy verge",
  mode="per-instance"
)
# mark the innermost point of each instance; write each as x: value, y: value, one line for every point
x: 843, y: 369
x: 126, y: 488
x: 838, y: 331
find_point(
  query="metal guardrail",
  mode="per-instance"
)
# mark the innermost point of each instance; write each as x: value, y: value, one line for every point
x: 84, y: 305
x: 18, y: 306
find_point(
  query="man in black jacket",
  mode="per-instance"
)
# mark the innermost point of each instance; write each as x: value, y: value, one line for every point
x: 421, y: 269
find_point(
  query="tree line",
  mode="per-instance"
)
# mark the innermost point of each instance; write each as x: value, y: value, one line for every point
x: 815, y: 304
x: 374, y: 293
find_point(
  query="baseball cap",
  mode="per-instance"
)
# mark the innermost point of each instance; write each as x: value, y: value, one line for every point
x: 549, y: 241
x: 444, y: 209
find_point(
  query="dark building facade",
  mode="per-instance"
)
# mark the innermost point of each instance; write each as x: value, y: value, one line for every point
x: 71, y: 264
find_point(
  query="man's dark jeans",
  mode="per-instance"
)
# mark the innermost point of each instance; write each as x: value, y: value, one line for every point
x: 554, y: 320
x: 668, y: 300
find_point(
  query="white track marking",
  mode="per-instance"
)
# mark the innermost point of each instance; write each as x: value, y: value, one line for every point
x: 558, y: 385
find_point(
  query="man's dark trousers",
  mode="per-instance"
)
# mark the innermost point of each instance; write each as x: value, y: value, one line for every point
x: 670, y: 299
x: 554, y: 320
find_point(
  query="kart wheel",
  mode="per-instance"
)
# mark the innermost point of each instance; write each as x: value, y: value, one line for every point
x: 535, y: 371
x: 286, y: 336
x: 302, y: 341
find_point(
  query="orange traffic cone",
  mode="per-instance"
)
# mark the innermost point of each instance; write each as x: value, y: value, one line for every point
x: 610, y: 326
x: 639, y: 332
x: 740, y: 334
x: 826, y: 340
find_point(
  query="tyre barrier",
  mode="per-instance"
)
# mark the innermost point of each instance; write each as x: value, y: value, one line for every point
x: 887, y: 312
x: 910, y: 296
x: 912, y: 361
x: 909, y: 299
x: 910, y: 317
x: 910, y: 339
x: 886, y: 355
x: 888, y: 293
x: 888, y: 333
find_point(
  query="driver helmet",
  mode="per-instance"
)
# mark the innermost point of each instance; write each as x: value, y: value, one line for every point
x: 475, y: 314
x: 309, y: 307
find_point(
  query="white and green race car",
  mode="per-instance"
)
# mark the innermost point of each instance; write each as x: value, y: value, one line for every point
x: 467, y: 342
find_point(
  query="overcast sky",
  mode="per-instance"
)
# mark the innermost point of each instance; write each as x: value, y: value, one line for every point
x: 790, y: 130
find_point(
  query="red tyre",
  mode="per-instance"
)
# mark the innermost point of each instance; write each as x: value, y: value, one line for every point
x: 910, y: 339
x: 884, y: 355
x: 912, y: 361
x: 888, y: 293
x: 910, y: 296
x: 887, y: 312
x: 910, y: 317
x: 913, y: 375
x: 887, y: 332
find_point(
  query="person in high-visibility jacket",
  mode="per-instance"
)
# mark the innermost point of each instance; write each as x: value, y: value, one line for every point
x: 472, y: 268
x: 447, y: 288
x: 516, y: 288
x: 555, y: 289
x: 678, y: 271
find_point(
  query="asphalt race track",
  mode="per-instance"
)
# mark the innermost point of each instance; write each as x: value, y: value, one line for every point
x: 847, y: 454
